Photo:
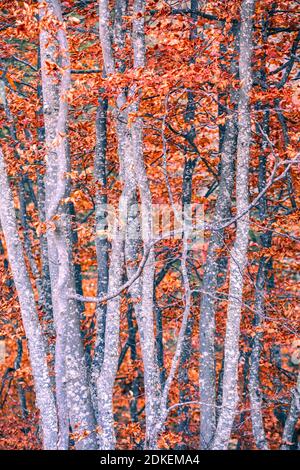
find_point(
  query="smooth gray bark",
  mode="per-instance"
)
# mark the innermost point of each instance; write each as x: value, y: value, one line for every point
x: 102, y: 243
x: 209, y: 286
x: 254, y: 382
x: 238, y: 255
x: 260, y: 286
x: 37, y: 349
x: 46, y: 281
x: 292, y: 417
x: 187, y: 192
x: 72, y: 388
x: 106, y: 380
x: 41, y: 282
x: 207, y: 376
x: 145, y: 316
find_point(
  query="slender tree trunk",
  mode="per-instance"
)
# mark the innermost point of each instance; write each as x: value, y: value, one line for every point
x: 106, y: 380
x: 102, y: 243
x: 42, y: 213
x: 133, y: 354
x: 111, y: 354
x: 72, y: 389
x: 21, y: 393
x: 187, y: 191
x: 209, y: 286
x: 163, y: 410
x: 133, y: 173
x: 210, y: 280
x: 254, y: 381
x: 159, y: 340
x: 42, y: 287
x: 146, y: 317
x: 238, y: 255
x: 37, y: 350
x: 292, y: 417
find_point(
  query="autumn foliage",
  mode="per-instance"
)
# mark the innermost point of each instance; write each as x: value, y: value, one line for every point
x: 184, y: 98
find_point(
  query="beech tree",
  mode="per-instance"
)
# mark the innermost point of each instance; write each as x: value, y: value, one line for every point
x: 149, y: 224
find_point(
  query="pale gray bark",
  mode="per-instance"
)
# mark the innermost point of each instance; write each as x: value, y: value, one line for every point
x: 41, y: 283
x: 187, y: 192
x: 292, y: 417
x: 102, y: 243
x: 102, y: 353
x: 105, y: 39
x: 254, y: 382
x: 42, y: 217
x: 37, y: 350
x: 180, y: 340
x: 133, y: 174
x: 156, y: 399
x: 209, y: 286
x: 208, y: 417
x: 145, y: 315
x: 260, y: 285
x: 72, y: 389
x: 106, y: 380
x: 51, y: 104
x: 238, y: 255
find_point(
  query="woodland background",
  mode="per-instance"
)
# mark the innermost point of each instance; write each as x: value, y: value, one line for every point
x: 108, y: 342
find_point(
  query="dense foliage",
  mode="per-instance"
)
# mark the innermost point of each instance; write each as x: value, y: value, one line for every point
x: 149, y: 106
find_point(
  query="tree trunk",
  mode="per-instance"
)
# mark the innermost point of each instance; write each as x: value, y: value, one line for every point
x: 102, y: 243
x: 37, y: 350
x: 292, y: 417
x: 254, y: 380
x: 145, y: 317
x: 72, y: 389
x: 106, y: 380
x: 238, y: 255
x: 207, y: 375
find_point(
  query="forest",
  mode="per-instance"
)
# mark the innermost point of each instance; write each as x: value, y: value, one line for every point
x: 149, y: 225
